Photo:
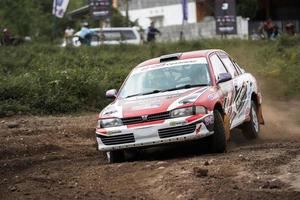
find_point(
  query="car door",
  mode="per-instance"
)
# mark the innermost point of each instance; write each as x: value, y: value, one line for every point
x: 226, y: 88
x: 240, y: 91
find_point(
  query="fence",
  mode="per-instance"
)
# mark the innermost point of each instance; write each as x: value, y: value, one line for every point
x: 205, y: 29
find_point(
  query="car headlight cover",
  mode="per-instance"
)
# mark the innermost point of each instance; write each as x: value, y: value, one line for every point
x: 181, y: 112
x: 107, y: 123
x: 193, y: 110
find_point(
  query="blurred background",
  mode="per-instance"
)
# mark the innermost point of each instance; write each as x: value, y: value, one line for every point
x: 195, y: 18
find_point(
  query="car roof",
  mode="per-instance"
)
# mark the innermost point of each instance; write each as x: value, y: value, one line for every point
x: 182, y: 56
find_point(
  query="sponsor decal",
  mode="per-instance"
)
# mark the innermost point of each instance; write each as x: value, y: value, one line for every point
x: 241, y: 97
x: 209, y: 120
x: 176, y: 123
x: 170, y: 64
x: 212, y: 96
x: 198, y: 129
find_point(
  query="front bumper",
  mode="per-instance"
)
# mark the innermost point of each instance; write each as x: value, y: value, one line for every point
x: 169, y: 131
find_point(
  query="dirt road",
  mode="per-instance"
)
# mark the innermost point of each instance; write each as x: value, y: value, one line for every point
x: 55, y: 158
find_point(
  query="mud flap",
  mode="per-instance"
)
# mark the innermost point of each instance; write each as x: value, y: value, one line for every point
x: 260, y: 116
x: 227, y: 127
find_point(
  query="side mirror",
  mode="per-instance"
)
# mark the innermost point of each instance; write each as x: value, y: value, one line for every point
x: 223, y: 77
x: 111, y: 94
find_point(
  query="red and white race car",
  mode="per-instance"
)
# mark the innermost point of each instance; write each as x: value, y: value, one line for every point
x: 180, y: 97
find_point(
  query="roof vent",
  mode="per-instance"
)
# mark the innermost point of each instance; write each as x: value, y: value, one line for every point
x: 170, y: 57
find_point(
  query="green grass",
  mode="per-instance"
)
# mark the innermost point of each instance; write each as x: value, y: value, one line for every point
x: 47, y: 79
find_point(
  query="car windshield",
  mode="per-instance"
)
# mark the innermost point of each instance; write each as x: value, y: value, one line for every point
x: 166, y: 77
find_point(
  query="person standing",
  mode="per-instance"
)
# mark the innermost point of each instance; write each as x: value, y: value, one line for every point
x: 269, y: 27
x: 290, y: 28
x: 152, y: 31
x: 69, y: 33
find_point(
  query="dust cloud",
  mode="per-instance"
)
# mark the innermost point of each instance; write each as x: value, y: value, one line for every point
x: 282, y: 121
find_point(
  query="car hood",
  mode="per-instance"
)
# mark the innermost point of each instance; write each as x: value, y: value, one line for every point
x: 150, y: 104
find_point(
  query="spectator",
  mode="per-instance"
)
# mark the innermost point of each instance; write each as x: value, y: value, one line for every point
x: 7, y: 38
x: 261, y: 31
x: 275, y: 31
x: 85, y: 34
x: 69, y: 32
x: 268, y: 26
x: 152, y: 31
x: 290, y: 28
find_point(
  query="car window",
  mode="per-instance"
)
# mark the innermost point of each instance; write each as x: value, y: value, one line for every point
x: 229, y: 65
x: 112, y: 35
x: 165, y: 78
x: 217, y: 66
x: 238, y: 68
x: 128, y: 35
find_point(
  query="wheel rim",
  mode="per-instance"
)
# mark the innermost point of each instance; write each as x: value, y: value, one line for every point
x: 254, y: 119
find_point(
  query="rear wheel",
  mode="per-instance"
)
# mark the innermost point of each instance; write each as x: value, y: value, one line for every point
x: 218, y: 139
x: 251, y: 128
x: 115, y: 156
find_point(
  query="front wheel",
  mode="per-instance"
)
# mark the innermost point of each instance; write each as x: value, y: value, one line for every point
x: 218, y: 139
x: 115, y: 156
x: 251, y: 129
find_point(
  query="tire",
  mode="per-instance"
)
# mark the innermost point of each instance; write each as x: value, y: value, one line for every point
x: 251, y: 129
x: 218, y: 139
x: 115, y: 156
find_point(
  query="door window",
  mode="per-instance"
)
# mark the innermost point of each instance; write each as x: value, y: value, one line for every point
x: 112, y: 35
x: 217, y: 66
x: 229, y: 65
x: 128, y: 35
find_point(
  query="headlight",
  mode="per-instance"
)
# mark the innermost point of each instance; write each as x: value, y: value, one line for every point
x: 106, y: 123
x: 193, y: 110
x: 181, y: 112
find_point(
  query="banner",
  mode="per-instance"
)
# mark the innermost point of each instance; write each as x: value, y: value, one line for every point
x: 185, y: 9
x: 100, y: 9
x: 225, y: 14
x: 60, y: 7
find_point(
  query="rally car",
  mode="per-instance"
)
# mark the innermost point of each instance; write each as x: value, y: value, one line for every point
x: 180, y: 97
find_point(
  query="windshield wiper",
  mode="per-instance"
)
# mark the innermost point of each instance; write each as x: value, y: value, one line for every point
x: 185, y: 87
x: 147, y: 93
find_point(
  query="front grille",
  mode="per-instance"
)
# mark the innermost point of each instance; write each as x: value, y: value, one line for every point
x: 176, y: 131
x: 159, y: 116
x: 117, y: 139
x: 132, y: 120
x: 152, y: 117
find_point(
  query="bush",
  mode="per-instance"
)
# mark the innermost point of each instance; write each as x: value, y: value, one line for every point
x: 47, y: 79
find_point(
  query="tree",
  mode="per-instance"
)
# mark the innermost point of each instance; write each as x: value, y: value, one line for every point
x: 247, y: 8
